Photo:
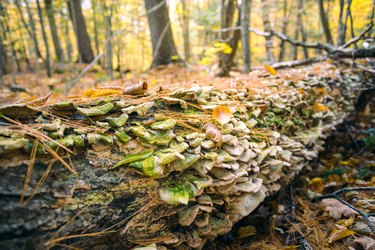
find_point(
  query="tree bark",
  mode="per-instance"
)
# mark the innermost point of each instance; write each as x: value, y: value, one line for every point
x: 245, y: 36
x: 48, y: 66
x: 69, y: 46
x: 302, y: 30
x: 96, y: 39
x: 163, y: 47
x: 267, y: 28
x: 3, y: 59
x: 325, y: 23
x: 284, y: 30
x: 55, y: 37
x: 186, y: 29
x: 341, y: 33
x: 83, y: 40
x: 231, y: 38
x: 109, y: 47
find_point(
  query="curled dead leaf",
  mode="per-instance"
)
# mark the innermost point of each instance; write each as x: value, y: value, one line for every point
x: 213, y: 133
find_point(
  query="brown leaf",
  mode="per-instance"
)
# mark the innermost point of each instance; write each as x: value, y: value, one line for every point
x: 213, y: 133
x: 365, y: 243
x: 136, y: 89
x: 336, y: 209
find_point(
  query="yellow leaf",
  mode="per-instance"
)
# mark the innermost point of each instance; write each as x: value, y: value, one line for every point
x: 291, y: 247
x: 270, y: 69
x: 347, y: 222
x: 92, y: 93
x: 320, y: 107
x: 222, y: 114
x: 316, y: 180
x: 338, y: 234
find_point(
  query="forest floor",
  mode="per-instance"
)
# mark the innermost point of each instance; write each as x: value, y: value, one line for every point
x: 292, y: 219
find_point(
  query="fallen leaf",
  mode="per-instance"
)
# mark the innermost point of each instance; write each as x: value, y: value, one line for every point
x: 93, y: 93
x: 270, y: 69
x: 365, y: 243
x: 347, y: 222
x: 336, y: 209
x: 246, y: 231
x: 339, y: 233
x: 320, y: 107
x: 222, y: 114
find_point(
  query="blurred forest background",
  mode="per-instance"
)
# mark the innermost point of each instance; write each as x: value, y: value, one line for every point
x: 39, y: 34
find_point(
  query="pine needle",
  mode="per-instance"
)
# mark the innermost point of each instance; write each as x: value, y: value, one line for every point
x: 29, y: 171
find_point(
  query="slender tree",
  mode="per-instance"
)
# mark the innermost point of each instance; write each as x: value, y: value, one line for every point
x: 163, y: 46
x: 231, y: 38
x: 96, y: 31
x: 108, y: 24
x: 284, y: 30
x: 33, y: 30
x: 325, y: 23
x: 69, y: 46
x: 342, y: 25
x: 3, y: 53
x: 267, y: 28
x: 52, y: 24
x: 245, y: 36
x: 185, y: 29
x: 84, y: 47
x: 29, y: 30
x: 48, y: 66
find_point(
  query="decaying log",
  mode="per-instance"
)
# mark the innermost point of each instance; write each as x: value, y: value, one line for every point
x: 149, y: 170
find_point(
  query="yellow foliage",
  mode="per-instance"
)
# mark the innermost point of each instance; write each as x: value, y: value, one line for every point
x: 93, y: 93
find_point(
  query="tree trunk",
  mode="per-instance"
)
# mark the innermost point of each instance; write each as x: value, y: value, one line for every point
x: 245, y: 36
x: 163, y: 47
x: 69, y: 46
x: 231, y: 38
x: 33, y: 30
x: 83, y: 40
x: 342, y: 25
x: 267, y: 28
x: 325, y: 23
x: 302, y: 30
x: 109, y: 47
x: 3, y: 59
x: 55, y: 37
x: 284, y: 30
x: 48, y: 66
x: 186, y: 29
x: 16, y: 66
x: 29, y: 30
x: 96, y: 32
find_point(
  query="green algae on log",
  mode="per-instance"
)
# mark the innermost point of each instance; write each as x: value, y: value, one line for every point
x: 160, y: 170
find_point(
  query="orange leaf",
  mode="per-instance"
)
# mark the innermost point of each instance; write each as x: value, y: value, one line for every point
x: 222, y: 114
x: 270, y: 69
x: 320, y: 107
x: 338, y: 234
x: 92, y: 93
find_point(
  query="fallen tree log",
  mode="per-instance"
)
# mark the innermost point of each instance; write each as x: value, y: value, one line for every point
x: 176, y: 167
